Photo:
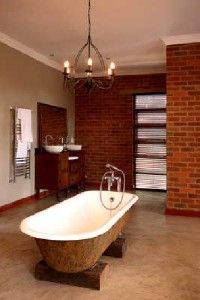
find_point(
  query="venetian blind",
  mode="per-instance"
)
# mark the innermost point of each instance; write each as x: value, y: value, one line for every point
x: 150, y: 133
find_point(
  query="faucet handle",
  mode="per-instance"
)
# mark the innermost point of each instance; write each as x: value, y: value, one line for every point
x: 45, y: 139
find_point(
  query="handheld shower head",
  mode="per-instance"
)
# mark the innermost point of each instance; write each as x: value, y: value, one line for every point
x: 112, y: 167
x: 108, y: 166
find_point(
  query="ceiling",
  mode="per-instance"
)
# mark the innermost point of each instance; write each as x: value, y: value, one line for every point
x: 126, y: 31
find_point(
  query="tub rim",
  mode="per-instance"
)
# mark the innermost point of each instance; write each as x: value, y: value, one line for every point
x: 24, y: 226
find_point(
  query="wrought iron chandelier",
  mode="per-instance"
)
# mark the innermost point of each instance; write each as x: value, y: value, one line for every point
x: 104, y: 82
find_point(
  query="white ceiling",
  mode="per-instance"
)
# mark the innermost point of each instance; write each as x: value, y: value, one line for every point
x: 127, y: 31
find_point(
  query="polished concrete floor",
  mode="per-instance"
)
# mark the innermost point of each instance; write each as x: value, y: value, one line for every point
x: 162, y: 260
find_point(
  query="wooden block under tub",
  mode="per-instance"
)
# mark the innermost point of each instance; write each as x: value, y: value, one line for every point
x: 92, y: 278
x: 117, y: 248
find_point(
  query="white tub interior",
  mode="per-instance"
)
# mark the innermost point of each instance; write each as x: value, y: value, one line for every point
x: 79, y: 217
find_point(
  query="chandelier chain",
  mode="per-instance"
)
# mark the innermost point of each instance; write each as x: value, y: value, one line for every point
x: 89, y: 21
x: 89, y: 28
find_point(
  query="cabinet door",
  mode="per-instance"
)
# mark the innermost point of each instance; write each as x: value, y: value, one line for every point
x: 74, y: 171
x: 81, y: 156
x: 46, y: 171
x: 63, y: 171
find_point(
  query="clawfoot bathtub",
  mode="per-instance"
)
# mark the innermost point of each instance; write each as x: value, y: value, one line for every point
x: 73, y: 234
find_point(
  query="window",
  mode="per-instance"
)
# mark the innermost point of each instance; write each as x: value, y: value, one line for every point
x: 150, y: 141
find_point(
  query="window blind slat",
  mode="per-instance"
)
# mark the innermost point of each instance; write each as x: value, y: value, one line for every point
x: 150, y: 101
x: 150, y: 181
x: 152, y: 166
x: 151, y: 118
x: 151, y: 133
x: 151, y: 149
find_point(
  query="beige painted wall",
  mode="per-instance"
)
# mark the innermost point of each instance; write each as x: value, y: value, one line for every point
x: 24, y: 82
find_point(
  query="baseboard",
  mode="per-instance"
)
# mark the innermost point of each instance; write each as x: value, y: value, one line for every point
x: 24, y: 201
x: 182, y: 212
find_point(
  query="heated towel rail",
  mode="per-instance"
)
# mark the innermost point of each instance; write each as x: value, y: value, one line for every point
x: 18, y: 166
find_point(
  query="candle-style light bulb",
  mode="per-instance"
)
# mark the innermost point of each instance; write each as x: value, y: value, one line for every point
x: 109, y: 71
x: 89, y: 62
x: 66, y: 64
x: 112, y: 65
x: 66, y: 67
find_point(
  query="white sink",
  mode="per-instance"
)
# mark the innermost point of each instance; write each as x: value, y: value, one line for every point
x: 74, y: 147
x: 53, y: 148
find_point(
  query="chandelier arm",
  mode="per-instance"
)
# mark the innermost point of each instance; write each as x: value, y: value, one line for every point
x: 79, y: 53
x: 76, y: 81
x: 99, y: 56
x: 104, y: 84
x: 72, y: 83
x: 79, y: 82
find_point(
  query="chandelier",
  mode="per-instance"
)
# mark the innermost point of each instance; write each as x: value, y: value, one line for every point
x: 104, y: 82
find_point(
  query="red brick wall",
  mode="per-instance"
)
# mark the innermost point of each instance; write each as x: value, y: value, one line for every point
x: 52, y: 120
x: 183, y: 127
x: 104, y: 123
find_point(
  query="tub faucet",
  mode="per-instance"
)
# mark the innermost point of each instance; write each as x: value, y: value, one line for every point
x: 119, y: 183
x: 109, y: 175
x: 112, y: 178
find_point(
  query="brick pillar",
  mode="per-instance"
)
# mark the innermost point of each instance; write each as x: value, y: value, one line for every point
x: 183, y: 129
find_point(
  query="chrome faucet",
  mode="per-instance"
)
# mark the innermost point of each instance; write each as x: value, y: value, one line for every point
x: 119, y: 183
x: 46, y: 138
x: 112, y: 178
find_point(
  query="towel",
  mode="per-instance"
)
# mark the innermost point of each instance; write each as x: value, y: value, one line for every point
x: 22, y: 149
x: 26, y: 129
x: 24, y: 138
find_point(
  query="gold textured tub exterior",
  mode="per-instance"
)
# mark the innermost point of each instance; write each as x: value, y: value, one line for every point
x: 80, y: 255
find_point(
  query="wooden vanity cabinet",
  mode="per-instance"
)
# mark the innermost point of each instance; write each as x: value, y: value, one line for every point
x: 56, y: 171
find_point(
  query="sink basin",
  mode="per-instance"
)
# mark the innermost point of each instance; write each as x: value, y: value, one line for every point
x: 74, y: 147
x: 54, y: 148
